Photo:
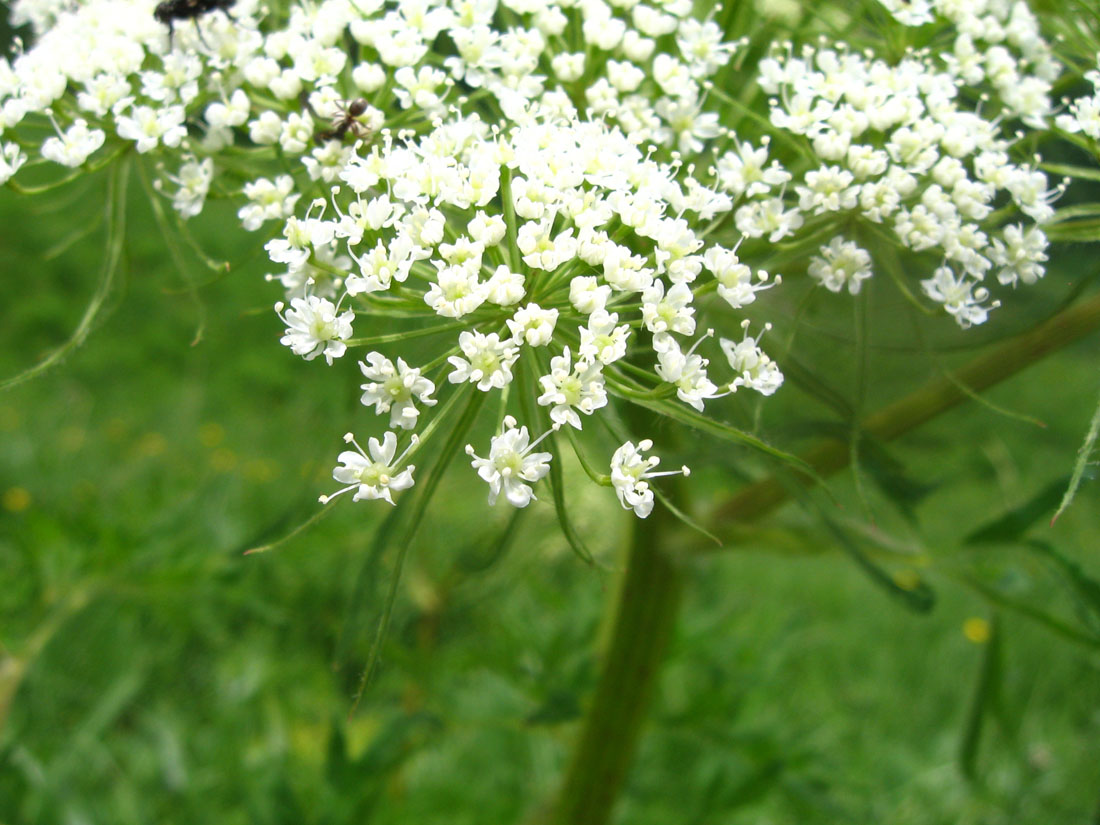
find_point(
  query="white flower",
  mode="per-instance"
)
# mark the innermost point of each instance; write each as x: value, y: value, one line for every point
x: 842, y: 264
x: 533, y: 325
x: 743, y: 172
x: 505, y: 287
x: 488, y: 230
x: 540, y: 251
x: 735, y: 284
x: 587, y: 294
x: 767, y: 217
x: 601, y: 340
x: 960, y: 297
x: 72, y: 147
x: 268, y: 200
x: 233, y: 112
x: 373, y: 476
x: 380, y: 266
x: 1022, y: 254
x: 752, y: 367
x: 11, y: 158
x: 193, y: 179
x: 571, y: 387
x: 456, y: 292
x: 629, y: 471
x: 418, y: 88
x: 828, y: 189
x: 624, y: 271
x: 148, y: 126
x: 511, y: 466
x: 568, y: 67
x: 314, y: 328
x: 686, y: 370
x: 668, y: 313
x: 488, y: 361
x: 395, y: 390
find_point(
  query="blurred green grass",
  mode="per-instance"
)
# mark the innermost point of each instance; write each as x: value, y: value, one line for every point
x: 153, y: 673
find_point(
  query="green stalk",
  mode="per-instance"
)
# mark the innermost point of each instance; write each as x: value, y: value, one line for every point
x: 646, y: 615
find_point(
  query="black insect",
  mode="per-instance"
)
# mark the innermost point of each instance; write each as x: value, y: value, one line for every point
x: 347, y: 120
x: 169, y: 11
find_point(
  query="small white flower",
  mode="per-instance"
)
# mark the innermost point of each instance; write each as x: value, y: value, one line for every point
x: 533, y: 325
x: 11, y: 158
x: 505, y: 287
x: 488, y: 361
x: 670, y: 312
x: 735, y: 284
x: 380, y: 266
x: 587, y: 294
x: 233, y: 112
x: 488, y: 230
x: 73, y: 146
x: 268, y: 200
x: 376, y: 475
x: 193, y: 179
x: 511, y: 466
x: 686, y: 370
x: 602, y: 340
x: 752, y: 367
x: 629, y: 471
x: 314, y: 328
x: 147, y: 126
x: 571, y: 387
x: 962, y: 298
x: 842, y: 264
x: 743, y: 172
x: 456, y: 292
x: 1021, y: 254
x: 395, y: 389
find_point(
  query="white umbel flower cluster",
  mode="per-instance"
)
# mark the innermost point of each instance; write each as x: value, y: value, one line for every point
x: 549, y: 194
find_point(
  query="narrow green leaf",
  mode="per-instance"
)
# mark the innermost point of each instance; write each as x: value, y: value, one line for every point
x: 913, y: 592
x: 1083, y: 231
x: 115, y: 211
x: 1086, y: 588
x: 1084, y: 172
x: 557, y: 490
x: 1067, y: 213
x: 1011, y: 526
x: 524, y: 379
x: 676, y: 410
x: 1083, y: 456
x: 1051, y: 623
x: 476, y: 563
x: 986, y: 691
x: 305, y: 525
x: 427, y: 486
x: 684, y: 517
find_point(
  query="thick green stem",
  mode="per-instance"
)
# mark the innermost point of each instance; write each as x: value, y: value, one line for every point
x: 646, y: 615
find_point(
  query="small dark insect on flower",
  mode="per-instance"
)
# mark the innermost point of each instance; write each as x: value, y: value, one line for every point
x: 169, y: 11
x: 346, y: 120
